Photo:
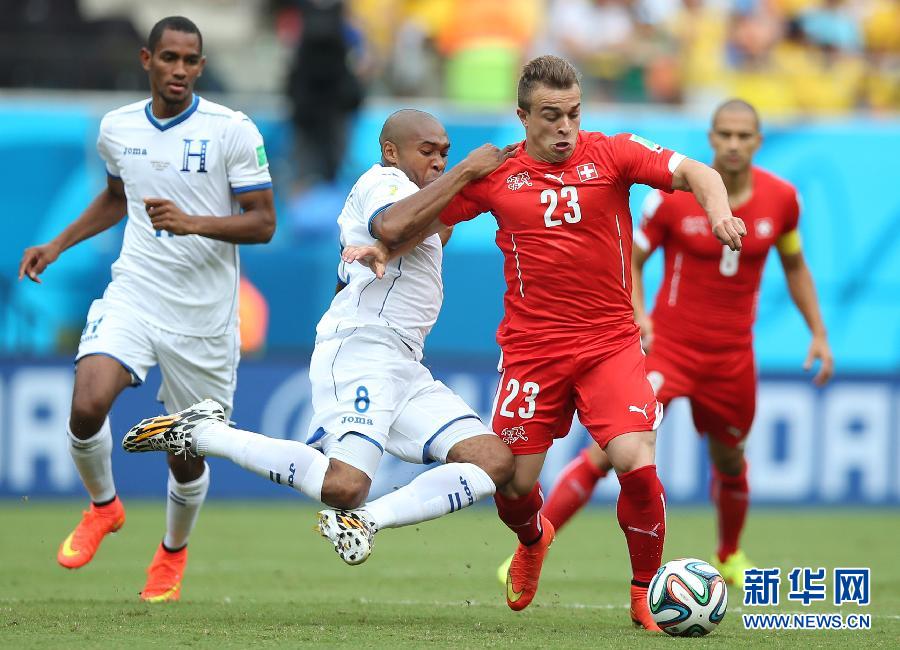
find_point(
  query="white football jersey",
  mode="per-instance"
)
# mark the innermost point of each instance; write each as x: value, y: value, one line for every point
x: 408, y: 298
x: 200, y: 160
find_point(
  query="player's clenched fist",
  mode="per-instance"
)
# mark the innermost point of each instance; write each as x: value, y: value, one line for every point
x: 165, y: 215
x: 729, y: 231
x: 482, y: 161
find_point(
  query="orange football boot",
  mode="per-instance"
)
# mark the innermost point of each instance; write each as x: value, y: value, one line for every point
x: 164, y: 576
x: 640, y: 611
x: 525, y: 569
x: 79, y: 547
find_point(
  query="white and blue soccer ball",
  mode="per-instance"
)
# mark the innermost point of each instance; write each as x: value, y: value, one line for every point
x: 687, y: 597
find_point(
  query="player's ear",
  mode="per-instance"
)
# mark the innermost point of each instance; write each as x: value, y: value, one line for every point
x: 146, y: 55
x: 202, y: 66
x: 523, y: 115
x: 389, y: 152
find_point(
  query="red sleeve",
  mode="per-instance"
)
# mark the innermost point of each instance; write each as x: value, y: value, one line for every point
x: 467, y: 204
x: 792, y: 212
x: 641, y: 161
x: 654, y: 222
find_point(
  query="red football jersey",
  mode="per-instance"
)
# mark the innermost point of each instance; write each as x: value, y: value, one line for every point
x: 565, y: 231
x: 708, y: 294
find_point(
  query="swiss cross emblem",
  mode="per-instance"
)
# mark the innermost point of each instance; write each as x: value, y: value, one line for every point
x: 764, y: 228
x: 586, y: 172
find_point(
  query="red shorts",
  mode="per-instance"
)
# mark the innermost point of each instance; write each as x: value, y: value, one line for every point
x: 541, y: 387
x: 720, y: 386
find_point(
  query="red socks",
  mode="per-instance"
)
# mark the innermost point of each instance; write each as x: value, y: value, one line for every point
x: 641, y: 511
x: 573, y: 489
x: 731, y: 495
x: 522, y: 515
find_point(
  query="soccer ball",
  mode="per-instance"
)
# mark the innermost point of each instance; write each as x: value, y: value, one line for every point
x: 687, y: 597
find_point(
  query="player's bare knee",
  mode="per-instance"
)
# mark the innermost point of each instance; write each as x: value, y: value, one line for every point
x: 517, y: 487
x: 598, y: 457
x: 185, y: 468
x: 88, y: 413
x: 344, y: 487
x: 728, y: 460
x: 631, y: 451
x: 487, y: 452
x: 342, y: 496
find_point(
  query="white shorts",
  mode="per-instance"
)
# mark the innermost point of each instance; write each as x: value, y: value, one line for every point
x: 370, y: 394
x: 192, y: 367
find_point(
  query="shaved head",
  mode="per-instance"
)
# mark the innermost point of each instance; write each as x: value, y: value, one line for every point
x: 416, y: 143
x: 407, y: 123
x: 735, y: 105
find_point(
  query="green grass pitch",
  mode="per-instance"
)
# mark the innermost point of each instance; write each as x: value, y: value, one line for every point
x: 259, y: 576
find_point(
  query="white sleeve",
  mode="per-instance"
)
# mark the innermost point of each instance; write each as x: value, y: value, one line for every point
x: 245, y: 157
x: 105, y: 151
x: 390, y: 188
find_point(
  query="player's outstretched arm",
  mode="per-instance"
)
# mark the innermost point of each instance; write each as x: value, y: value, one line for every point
x: 418, y: 213
x: 254, y: 225
x: 107, y: 209
x: 803, y: 293
x: 707, y: 186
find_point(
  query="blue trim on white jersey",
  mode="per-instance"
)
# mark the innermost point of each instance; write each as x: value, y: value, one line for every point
x: 135, y: 378
x: 315, y: 437
x: 427, y: 446
x: 175, y: 121
x: 375, y: 214
x: 400, y: 272
x: 111, y: 175
x: 252, y: 188
x: 364, y: 437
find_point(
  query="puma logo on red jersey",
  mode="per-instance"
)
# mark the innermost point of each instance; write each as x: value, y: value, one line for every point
x: 643, y: 411
x: 515, y: 181
x: 556, y: 178
x: 652, y: 532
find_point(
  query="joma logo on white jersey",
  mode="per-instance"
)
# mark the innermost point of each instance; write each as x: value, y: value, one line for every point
x: 356, y: 419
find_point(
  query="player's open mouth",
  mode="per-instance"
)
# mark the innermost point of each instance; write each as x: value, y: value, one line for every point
x: 562, y: 146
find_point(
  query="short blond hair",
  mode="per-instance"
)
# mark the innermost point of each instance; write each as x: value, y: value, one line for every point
x: 548, y: 70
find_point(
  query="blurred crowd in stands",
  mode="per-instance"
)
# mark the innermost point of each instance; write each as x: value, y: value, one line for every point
x: 819, y: 56
x: 785, y: 56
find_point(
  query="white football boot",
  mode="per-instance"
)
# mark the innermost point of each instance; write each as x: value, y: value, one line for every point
x: 351, y: 532
x: 172, y: 433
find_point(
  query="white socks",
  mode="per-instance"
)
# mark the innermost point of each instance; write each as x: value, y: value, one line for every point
x: 287, y: 462
x: 182, y: 508
x: 434, y: 493
x: 93, y: 460
x: 439, y: 491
